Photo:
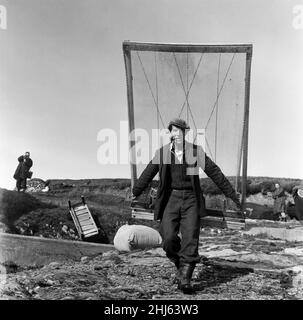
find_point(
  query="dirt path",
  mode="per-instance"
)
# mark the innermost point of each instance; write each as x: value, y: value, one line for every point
x: 233, y: 266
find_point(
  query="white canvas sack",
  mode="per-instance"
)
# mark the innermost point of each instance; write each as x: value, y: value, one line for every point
x: 130, y: 237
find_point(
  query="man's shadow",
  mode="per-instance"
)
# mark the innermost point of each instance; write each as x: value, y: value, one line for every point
x: 212, y: 273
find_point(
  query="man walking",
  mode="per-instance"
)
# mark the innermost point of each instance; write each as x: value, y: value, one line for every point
x: 180, y: 202
x: 22, y: 172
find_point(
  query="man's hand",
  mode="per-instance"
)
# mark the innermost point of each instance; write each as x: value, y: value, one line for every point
x: 237, y: 200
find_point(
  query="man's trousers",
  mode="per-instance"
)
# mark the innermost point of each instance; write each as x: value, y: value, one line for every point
x: 21, y: 184
x: 181, y: 215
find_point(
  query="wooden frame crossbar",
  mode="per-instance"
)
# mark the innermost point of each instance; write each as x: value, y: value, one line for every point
x: 180, y: 47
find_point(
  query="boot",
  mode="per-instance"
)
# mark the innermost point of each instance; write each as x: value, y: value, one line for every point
x: 186, y: 272
x: 178, y: 274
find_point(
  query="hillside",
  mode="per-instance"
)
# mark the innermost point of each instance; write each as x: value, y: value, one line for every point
x: 46, y: 213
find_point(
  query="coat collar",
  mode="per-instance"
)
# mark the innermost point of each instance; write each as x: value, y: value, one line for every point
x: 190, y: 154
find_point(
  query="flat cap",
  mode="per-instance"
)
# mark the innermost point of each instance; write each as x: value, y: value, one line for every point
x: 177, y: 122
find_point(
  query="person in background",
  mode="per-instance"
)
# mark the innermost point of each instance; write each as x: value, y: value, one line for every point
x: 297, y: 193
x: 23, y: 171
x: 179, y: 202
x: 279, y: 197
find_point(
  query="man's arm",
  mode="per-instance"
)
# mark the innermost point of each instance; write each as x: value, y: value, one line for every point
x: 146, y: 177
x: 215, y: 173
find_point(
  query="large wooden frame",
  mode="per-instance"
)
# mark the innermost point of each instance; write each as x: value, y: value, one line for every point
x: 129, y: 46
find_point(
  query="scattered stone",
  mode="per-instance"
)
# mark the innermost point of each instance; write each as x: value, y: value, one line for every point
x: 86, y: 296
x: 64, y: 228
x: 109, y: 254
x: 85, y: 259
x: 3, y: 228
x: 54, y: 264
x: 36, y: 288
x: 226, y: 272
x: 68, y: 298
x: 50, y: 282
x: 98, y: 267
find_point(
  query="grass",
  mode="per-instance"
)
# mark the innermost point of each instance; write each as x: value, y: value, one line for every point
x: 46, y: 213
x: 15, y: 205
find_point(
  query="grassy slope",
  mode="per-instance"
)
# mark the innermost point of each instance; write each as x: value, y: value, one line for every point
x: 46, y: 213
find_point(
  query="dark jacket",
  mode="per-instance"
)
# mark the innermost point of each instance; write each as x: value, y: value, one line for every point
x: 23, y: 168
x: 298, y: 198
x: 195, y: 157
x: 279, y: 200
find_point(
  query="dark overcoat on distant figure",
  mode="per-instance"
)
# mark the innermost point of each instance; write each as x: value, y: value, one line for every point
x: 298, y: 199
x: 23, y: 168
x: 279, y: 200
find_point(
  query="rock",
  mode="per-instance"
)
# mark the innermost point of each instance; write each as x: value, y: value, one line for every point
x: 68, y: 298
x: 64, y: 228
x: 109, y: 254
x: 54, y: 264
x: 98, y: 267
x: 50, y: 282
x: 3, y: 227
x: 36, y: 289
x: 84, y: 259
x: 108, y: 264
x: 86, y: 296
x: 46, y: 189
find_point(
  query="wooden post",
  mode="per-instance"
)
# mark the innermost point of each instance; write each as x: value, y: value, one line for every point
x: 131, y: 119
x: 245, y: 129
x: 240, y: 159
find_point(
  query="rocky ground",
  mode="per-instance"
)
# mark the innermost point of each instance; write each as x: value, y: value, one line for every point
x: 234, y: 265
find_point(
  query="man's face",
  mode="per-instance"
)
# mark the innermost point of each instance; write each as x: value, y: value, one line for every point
x: 277, y: 185
x: 27, y: 154
x: 177, y: 134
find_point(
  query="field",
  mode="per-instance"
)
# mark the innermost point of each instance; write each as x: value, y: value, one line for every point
x: 46, y: 213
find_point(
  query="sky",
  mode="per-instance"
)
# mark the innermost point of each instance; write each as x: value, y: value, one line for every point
x: 62, y: 77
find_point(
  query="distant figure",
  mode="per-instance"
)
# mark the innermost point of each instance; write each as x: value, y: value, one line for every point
x: 22, y: 172
x: 279, y: 202
x: 298, y: 201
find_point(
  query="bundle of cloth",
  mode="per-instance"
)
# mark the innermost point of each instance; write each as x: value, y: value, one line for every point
x: 132, y: 237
